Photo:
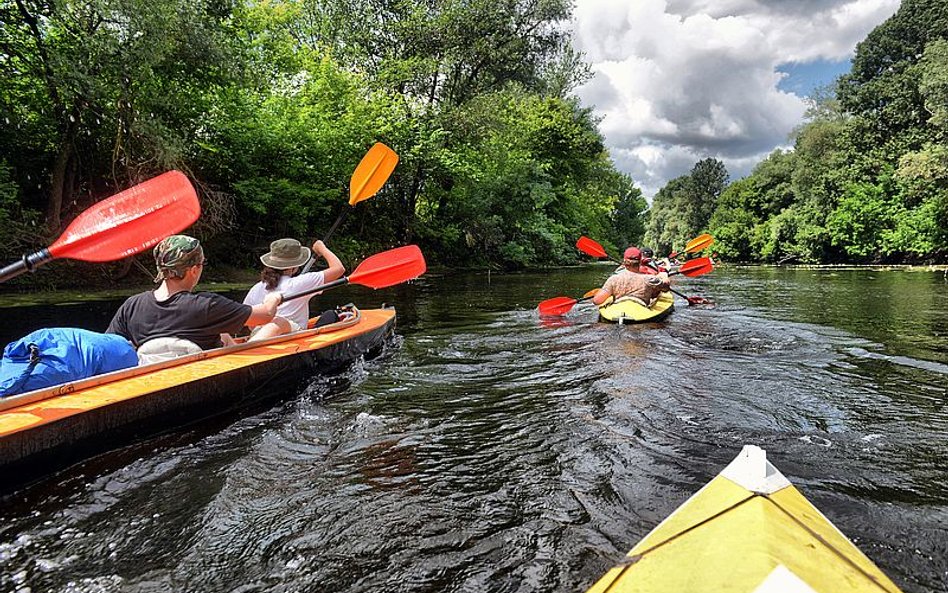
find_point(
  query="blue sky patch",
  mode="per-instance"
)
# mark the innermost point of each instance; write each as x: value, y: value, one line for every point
x: 803, y: 78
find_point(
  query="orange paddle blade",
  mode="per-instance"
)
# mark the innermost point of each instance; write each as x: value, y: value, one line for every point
x: 390, y: 267
x: 131, y: 221
x: 590, y: 293
x: 556, y: 306
x: 699, y: 243
x: 696, y: 267
x: 590, y: 247
x: 373, y: 171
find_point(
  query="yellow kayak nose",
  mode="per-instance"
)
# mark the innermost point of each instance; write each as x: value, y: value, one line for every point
x: 747, y: 531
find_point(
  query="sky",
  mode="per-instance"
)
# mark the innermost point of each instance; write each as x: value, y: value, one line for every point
x: 677, y: 81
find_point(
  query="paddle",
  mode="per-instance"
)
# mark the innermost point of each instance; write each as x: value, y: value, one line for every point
x: 691, y: 268
x: 695, y: 267
x: 368, y: 178
x: 562, y: 305
x: 378, y: 271
x: 590, y: 247
x: 699, y: 243
x: 691, y: 300
x: 120, y: 226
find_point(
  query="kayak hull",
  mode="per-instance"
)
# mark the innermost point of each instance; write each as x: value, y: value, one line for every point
x: 627, y: 311
x: 748, y: 530
x: 68, y: 423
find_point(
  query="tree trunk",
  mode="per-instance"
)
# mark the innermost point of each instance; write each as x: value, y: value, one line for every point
x: 58, y: 185
x: 409, y: 202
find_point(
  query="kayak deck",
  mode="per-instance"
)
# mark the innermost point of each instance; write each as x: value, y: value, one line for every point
x: 748, y: 530
x: 49, y: 428
x: 625, y: 311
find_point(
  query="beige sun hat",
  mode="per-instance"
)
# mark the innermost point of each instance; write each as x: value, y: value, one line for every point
x: 285, y: 254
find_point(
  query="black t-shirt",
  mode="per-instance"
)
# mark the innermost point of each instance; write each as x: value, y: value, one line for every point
x: 199, y: 316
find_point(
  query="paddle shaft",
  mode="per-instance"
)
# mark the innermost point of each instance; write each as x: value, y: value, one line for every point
x: 28, y: 263
x: 335, y: 225
x: 681, y: 294
x: 340, y: 282
x: 371, y: 173
x: 332, y: 229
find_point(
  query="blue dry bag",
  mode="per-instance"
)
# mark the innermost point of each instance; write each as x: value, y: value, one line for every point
x: 58, y: 355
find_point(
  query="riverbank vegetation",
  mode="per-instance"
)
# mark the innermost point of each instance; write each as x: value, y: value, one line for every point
x: 269, y: 106
x: 867, y: 178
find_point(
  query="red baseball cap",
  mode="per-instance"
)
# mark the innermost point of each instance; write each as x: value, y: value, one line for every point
x: 632, y: 253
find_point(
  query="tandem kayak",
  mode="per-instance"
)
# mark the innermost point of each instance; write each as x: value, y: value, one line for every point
x: 629, y: 311
x: 47, y: 429
x: 748, y: 530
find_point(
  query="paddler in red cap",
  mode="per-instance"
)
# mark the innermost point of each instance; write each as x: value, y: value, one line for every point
x: 632, y: 283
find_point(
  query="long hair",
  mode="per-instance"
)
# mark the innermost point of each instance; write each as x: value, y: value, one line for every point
x: 270, y: 277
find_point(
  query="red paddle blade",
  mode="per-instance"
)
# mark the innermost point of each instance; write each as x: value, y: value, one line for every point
x: 590, y: 247
x: 373, y: 171
x: 131, y: 221
x: 556, y: 306
x: 699, y: 243
x: 696, y: 267
x: 390, y: 267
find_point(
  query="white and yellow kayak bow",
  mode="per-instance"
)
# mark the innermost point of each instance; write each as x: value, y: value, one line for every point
x: 748, y: 530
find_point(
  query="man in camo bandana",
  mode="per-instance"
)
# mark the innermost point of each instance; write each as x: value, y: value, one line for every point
x: 175, y: 254
x: 203, y: 320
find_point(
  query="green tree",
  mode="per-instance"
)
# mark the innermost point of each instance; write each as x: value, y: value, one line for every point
x: 683, y: 208
x: 119, y: 81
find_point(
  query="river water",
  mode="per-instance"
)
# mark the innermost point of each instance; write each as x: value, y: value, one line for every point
x: 490, y: 450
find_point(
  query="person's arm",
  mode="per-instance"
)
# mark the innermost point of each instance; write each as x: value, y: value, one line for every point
x: 265, y: 311
x: 335, y: 269
x: 664, y: 282
x: 601, y: 296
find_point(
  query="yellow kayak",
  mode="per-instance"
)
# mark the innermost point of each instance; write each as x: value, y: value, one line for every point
x: 629, y: 311
x: 748, y: 530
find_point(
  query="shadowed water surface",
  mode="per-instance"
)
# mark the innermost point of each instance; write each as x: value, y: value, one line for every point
x: 489, y: 450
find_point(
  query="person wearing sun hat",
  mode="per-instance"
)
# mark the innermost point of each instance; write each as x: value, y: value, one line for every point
x: 174, y: 312
x: 631, y: 283
x: 281, y: 264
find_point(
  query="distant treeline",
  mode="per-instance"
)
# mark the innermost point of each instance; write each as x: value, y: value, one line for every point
x: 867, y: 179
x: 269, y: 106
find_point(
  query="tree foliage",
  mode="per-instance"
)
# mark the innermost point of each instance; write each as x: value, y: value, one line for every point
x: 268, y: 106
x: 867, y: 179
x: 683, y: 208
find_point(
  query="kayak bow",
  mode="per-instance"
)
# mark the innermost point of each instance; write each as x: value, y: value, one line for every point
x: 748, y: 530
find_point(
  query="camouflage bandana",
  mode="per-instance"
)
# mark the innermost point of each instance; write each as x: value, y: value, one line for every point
x: 176, y: 253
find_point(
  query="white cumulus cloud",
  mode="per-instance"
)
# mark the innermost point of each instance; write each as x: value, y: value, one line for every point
x: 676, y: 81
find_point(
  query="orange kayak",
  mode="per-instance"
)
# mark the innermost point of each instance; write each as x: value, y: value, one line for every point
x: 47, y: 429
